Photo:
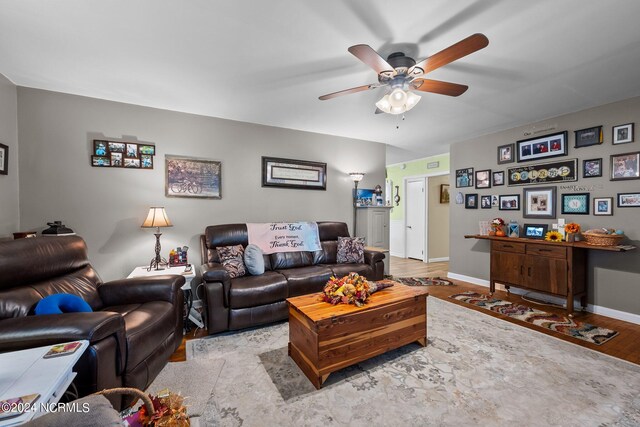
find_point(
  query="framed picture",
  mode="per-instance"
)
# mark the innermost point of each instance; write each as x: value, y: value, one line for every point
x: 4, y: 159
x: 543, y: 173
x: 495, y: 201
x: 117, y: 160
x: 149, y: 150
x: 535, y: 231
x: 464, y: 178
x: 498, y: 178
x: 122, y: 154
x: 483, y: 178
x: 100, y: 147
x: 622, y: 134
x: 510, y: 202
x: 116, y: 147
x: 132, y: 163
x: 505, y: 154
x: 289, y: 173
x: 100, y: 161
x: 485, y: 202
x: 146, y: 161
x: 471, y: 201
x: 589, y: 136
x: 629, y: 200
x: 539, y: 202
x: 625, y: 166
x: 193, y: 177
x: 132, y: 151
x: 542, y: 147
x: 575, y: 204
x: 444, y: 193
x: 591, y: 168
x: 603, y: 205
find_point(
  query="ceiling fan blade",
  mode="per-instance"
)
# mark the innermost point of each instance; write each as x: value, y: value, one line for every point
x: 378, y: 111
x: 452, y: 53
x: 348, y: 91
x: 436, y: 86
x: 370, y: 57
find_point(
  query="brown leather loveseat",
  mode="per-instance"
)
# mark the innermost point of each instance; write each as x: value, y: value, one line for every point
x: 248, y: 301
x: 136, y: 324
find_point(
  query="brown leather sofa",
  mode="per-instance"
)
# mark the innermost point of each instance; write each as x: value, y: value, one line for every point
x: 248, y: 301
x: 134, y: 328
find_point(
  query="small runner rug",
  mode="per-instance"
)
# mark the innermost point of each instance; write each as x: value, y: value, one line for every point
x: 419, y: 281
x: 555, y: 322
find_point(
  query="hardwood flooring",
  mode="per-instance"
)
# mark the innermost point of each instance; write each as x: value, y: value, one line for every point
x: 624, y: 346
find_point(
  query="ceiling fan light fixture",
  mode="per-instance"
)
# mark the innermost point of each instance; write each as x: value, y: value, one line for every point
x: 397, y: 98
x: 384, y: 105
x: 412, y: 100
x: 389, y: 103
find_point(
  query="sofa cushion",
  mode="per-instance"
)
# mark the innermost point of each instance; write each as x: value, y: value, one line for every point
x: 250, y: 291
x: 282, y: 260
x: 231, y: 258
x: 341, y: 270
x: 146, y: 326
x: 254, y: 260
x: 350, y: 250
x: 306, y: 280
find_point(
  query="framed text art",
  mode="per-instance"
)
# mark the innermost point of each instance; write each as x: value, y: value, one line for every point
x: 589, y: 136
x: 4, y: 159
x: 193, y: 177
x: 625, y: 166
x: 289, y: 173
x: 603, y: 205
x: 575, y: 204
x: 539, y: 202
x: 542, y: 147
x: 544, y: 173
x: 116, y: 154
x: 464, y: 178
x: 622, y: 134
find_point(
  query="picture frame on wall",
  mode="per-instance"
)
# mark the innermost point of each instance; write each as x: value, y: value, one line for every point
x: 444, y: 193
x: 592, y: 168
x: 132, y: 151
x: 505, y: 153
x: 625, y: 166
x: 498, y: 178
x: 588, y: 136
x: 4, y: 159
x: 122, y: 154
x: 535, y: 231
x: 192, y: 177
x: 603, y: 205
x: 509, y: 202
x: 291, y: 173
x: 464, y: 178
x: 575, y: 204
x: 539, y: 202
x: 100, y: 148
x: 100, y: 161
x: 471, y: 201
x: 628, y: 200
x: 483, y: 178
x: 485, y: 202
x: 541, y: 147
x: 622, y: 134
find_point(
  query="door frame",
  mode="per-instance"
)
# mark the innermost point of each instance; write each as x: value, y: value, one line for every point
x: 424, y: 177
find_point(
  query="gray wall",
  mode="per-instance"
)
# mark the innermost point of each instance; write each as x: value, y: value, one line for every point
x: 614, y: 277
x: 9, y: 196
x: 107, y: 206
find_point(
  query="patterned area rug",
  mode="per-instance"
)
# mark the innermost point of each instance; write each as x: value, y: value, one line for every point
x: 555, y: 322
x: 475, y: 370
x: 419, y: 281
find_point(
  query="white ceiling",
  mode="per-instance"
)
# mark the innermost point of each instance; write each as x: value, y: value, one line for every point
x: 268, y: 61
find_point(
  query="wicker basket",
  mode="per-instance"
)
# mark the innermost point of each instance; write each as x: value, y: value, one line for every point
x: 598, y: 239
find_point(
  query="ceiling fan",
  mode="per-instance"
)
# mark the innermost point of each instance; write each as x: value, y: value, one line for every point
x: 402, y: 75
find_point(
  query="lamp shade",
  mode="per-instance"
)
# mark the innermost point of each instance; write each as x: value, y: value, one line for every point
x: 157, y: 218
x: 356, y: 176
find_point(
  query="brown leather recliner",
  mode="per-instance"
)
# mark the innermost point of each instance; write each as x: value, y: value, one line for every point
x: 134, y: 328
x: 248, y: 301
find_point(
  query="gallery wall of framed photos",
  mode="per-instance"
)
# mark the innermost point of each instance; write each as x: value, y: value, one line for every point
x: 122, y: 154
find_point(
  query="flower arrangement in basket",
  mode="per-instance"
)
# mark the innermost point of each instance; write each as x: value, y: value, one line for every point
x: 496, y: 226
x: 350, y: 289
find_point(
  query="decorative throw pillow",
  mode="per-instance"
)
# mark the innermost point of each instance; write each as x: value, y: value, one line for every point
x: 231, y: 259
x: 254, y: 260
x: 350, y: 250
x: 62, y: 303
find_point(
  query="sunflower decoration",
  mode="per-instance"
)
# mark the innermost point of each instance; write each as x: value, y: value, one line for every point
x: 553, y: 236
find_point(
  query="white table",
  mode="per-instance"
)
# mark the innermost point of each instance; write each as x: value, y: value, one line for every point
x: 26, y: 372
x: 192, y: 304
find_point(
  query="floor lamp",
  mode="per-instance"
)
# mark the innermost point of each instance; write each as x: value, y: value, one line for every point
x: 356, y: 177
x: 157, y: 218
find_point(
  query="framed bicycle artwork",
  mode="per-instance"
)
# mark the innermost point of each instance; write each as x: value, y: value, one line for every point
x: 193, y: 177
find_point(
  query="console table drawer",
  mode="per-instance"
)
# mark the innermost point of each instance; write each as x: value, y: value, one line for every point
x: 547, y: 250
x: 498, y: 245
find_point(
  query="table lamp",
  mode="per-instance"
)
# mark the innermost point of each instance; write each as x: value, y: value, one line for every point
x: 157, y: 218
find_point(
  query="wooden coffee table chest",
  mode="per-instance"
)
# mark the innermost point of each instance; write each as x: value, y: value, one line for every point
x: 325, y: 338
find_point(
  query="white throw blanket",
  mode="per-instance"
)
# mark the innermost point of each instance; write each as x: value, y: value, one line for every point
x: 274, y: 237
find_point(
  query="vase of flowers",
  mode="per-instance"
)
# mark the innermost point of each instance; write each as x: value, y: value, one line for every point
x: 571, y: 231
x: 497, y: 225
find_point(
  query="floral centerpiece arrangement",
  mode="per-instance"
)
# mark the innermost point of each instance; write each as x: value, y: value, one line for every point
x: 168, y: 411
x: 496, y: 225
x: 350, y: 289
x: 571, y: 230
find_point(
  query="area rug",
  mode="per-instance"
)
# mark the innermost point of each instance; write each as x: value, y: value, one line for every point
x: 554, y: 322
x: 419, y: 281
x: 475, y: 370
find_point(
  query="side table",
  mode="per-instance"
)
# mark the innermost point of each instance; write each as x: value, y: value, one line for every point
x: 192, y: 314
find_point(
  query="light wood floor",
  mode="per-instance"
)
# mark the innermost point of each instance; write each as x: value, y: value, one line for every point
x: 624, y: 346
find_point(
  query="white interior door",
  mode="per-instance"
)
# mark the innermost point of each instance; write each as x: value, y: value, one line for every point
x: 415, y: 219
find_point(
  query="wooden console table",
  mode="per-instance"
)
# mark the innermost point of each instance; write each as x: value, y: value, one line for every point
x: 554, y: 268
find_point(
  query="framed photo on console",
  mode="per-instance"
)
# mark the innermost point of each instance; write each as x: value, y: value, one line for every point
x: 535, y: 231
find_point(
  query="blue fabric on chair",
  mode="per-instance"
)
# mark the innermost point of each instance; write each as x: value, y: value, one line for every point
x: 62, y: 303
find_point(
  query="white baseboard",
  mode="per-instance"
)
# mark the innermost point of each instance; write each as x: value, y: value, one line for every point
x: 397, y: 254
x: 446, y: 258
x: 591, y: 308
